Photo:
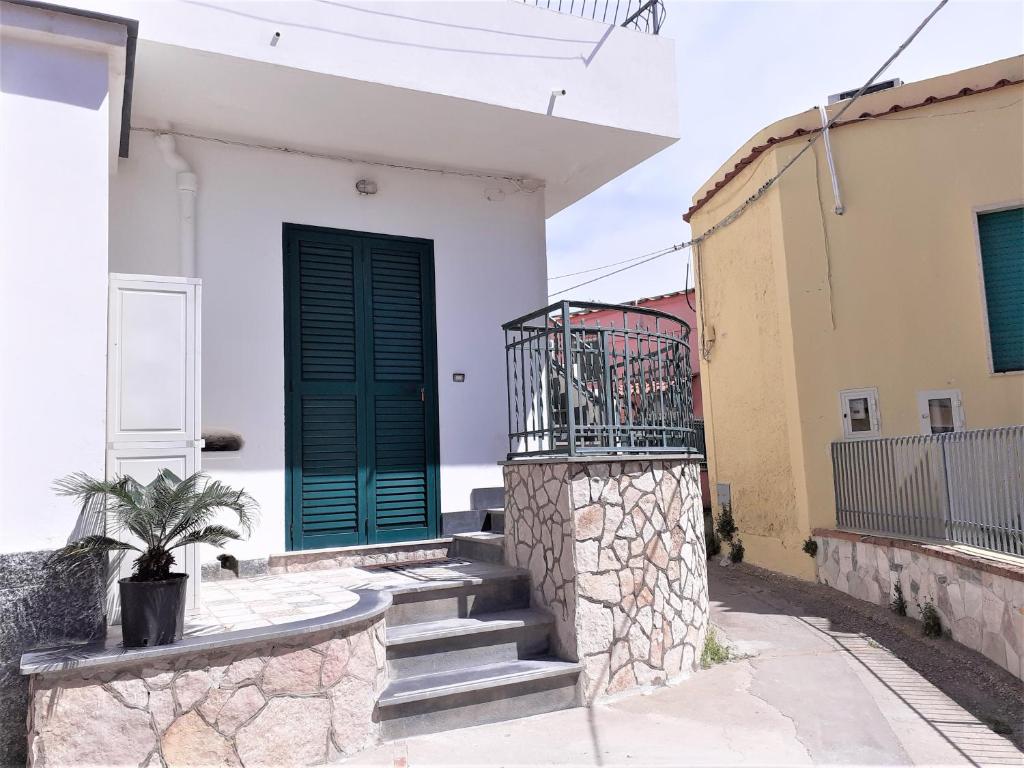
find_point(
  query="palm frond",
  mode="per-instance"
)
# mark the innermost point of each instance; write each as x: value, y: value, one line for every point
x: 160, y: 494
x: 88, y: 546
x: 178, y: 499
x: 204, y: 506
x: 122, y: 501
x: 141, y: 516
x: 91, y: 492
x: 217, y: 535
x: 81, y: 484
x: 129, y: 491
x: 172, y: 478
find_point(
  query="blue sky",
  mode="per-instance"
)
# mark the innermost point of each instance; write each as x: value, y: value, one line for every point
x: 741, y: 66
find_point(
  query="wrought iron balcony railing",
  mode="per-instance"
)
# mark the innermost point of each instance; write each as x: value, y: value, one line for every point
x: 576, y: 387
x: 643, y: 15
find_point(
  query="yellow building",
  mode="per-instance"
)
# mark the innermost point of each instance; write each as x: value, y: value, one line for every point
x: 817, y: 327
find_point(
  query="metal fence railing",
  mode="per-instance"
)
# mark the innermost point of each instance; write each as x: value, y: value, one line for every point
x: 964, y: 487
x: 699, y: 441
x: 643, y: 15
x: 577, y: 387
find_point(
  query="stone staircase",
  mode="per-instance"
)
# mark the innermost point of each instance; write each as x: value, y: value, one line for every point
x: 482, y: 546
x: 471, y: 650
x: 486, y: 513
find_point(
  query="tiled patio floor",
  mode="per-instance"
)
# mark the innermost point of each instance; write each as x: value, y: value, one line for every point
x: 265, y: 600
x: 262, y: 601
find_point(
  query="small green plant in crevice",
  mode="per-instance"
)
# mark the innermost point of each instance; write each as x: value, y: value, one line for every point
x: 715, y: 652
x: 713, y: 545
x: 811, y: 546
x: 898, y: 602
x: 931, y: 622
x: 725, y: 530
x: 736, y: 550
x: 726, y: 526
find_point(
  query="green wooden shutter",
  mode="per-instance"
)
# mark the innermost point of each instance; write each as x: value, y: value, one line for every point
x: 361, y: 414
x: 323, y: 361
x: 327, y: 313
x: 330, y: 470
x: 402, y: 337
x: 1002, y: 259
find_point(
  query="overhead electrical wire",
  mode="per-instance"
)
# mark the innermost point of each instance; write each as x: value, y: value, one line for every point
x: 605, y: 266
x: 729, y: 218
x: 655, y: 255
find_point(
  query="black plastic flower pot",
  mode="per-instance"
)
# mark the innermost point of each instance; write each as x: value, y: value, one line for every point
x: 152, y: 612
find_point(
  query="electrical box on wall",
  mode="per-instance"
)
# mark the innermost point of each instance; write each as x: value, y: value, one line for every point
x: 723, y: 491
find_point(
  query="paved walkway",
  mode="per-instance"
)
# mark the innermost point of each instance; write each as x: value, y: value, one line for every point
x: 805, y: 695
x: 262, y: 601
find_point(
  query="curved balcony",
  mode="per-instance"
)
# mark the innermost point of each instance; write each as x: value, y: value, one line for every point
x: 587, y: 378
x: 641, y: 15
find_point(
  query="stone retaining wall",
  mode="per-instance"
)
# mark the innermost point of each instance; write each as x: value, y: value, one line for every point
x: 299, y: 701
x: 615, y: 551
x: 39, y: 606
x: 980, y: 601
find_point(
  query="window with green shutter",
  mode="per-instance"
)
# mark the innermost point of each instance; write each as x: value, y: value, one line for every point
x: 1001, y: 234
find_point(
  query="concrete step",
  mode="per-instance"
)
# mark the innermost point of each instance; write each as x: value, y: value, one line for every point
x: 473, y: 520
x: 477, y: 695
x: 449, y: 644
x: 499, y: 588
x: 487, y: 498
x: 463, y: 521
x: 483, y: 546
x: 495, y: 522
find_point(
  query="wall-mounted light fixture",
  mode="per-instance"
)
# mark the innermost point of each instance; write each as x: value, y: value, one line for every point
x: 275, y: 39
x: 366, y: 187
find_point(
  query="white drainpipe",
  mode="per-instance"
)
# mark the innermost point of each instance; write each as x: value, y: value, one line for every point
x: 188, y: 186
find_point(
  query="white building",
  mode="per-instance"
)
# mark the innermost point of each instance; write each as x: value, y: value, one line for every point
x: 219, y: 153
x: 198, y: 140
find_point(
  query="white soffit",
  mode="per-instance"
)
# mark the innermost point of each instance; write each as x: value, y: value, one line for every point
x: 223, y: 96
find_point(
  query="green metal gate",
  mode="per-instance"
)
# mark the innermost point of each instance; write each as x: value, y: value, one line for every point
x: 361, y: 388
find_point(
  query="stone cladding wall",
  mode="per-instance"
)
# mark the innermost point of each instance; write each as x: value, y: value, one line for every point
x: 359, y: 557
x: 40, y: 607
x: 302, y: 701
x: 615, y: 551
x: 980, y: 601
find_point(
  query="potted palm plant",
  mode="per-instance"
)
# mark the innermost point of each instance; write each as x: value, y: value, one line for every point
x: 160, y: 517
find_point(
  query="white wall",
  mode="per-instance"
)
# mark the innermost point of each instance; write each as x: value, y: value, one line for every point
x: 501, y: 52
x: 455, y: 85
x: 54, y: 140
x: 489, y: 263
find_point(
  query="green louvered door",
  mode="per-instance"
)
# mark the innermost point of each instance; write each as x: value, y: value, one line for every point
x: 361, y: 416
